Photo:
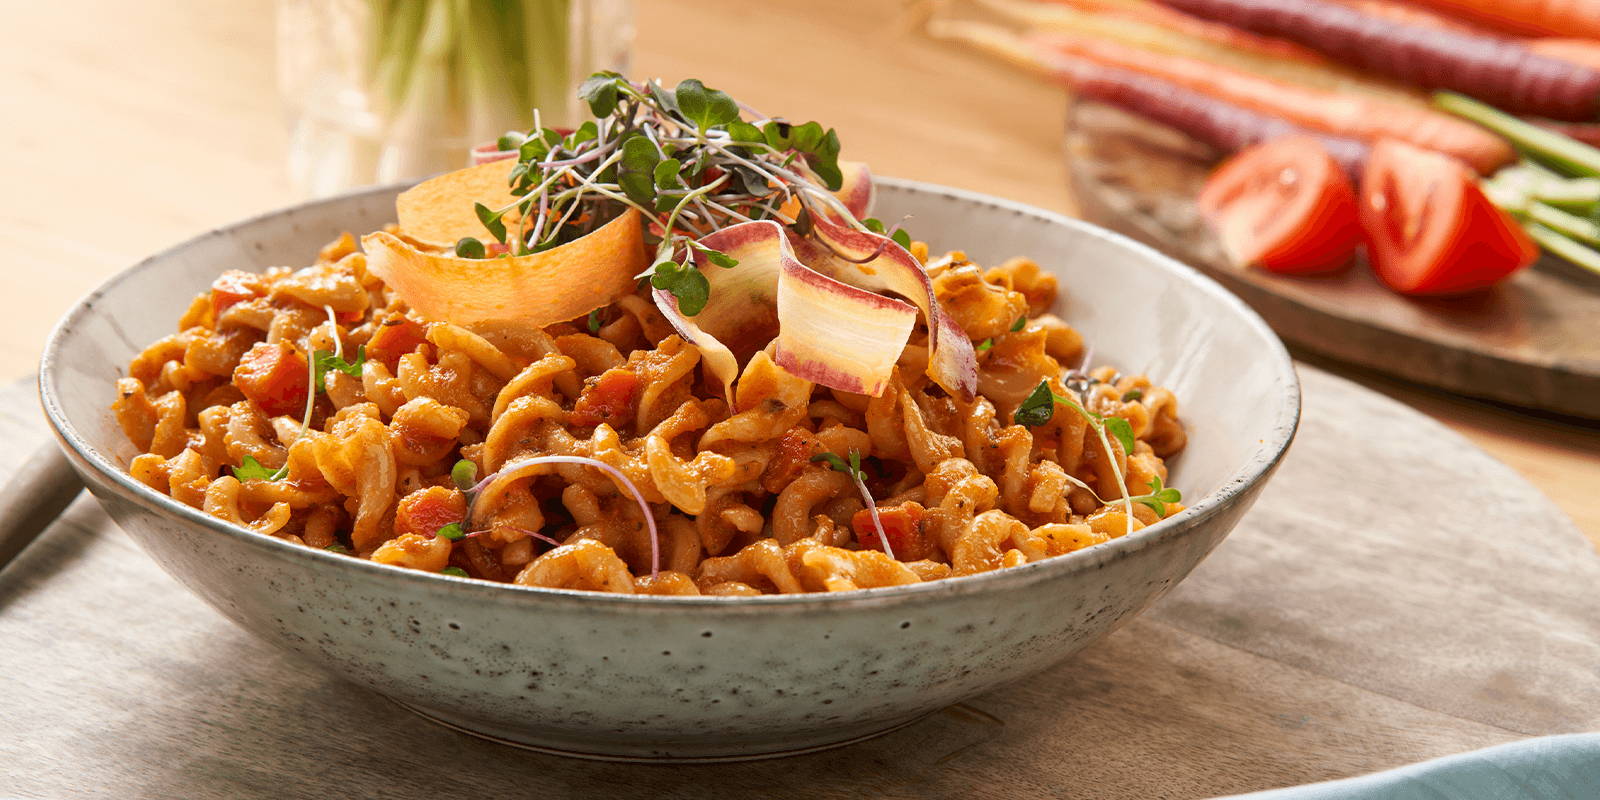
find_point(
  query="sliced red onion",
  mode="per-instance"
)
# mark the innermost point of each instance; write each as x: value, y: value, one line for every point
x: 521, y: 467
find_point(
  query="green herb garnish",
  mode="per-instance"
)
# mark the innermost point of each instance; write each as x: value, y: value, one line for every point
x: 452, y: 532
x: 326, y: 361
x: 1039, y: 407
x: 984, y: 345
x: 1021, y: 322
x: 1132, y: 395
x: 852, y: 468
x: 464, y: 475
x: 683, y: 158
x: 1159, y: 497
x: 594, y: 322
x: 251, y: 470
x: 456, y: 572
x: 337, y: 548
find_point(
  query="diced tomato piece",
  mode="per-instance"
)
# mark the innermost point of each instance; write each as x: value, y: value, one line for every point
x: 902, y: 526
x: 274, y: 377
x: 1284, y: 205
x: 395, y: 337
x: 608, y: 399
x: 1431, y: 229
x: 795, y: 448
x: 425, y: 511
x: 233, y: 287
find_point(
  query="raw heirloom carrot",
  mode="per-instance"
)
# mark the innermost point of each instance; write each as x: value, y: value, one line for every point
x: 1324, y: 111
x: 1153, y: 27
x: 1531, y: 17
x: 1500, y: 71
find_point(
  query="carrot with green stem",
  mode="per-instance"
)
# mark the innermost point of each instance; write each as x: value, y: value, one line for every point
x: 1497, y: 70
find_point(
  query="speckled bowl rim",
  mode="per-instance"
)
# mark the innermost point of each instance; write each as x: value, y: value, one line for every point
x: 1255, y: 468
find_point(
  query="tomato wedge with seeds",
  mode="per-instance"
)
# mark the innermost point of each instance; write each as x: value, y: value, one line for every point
x: 1284, y: 205
x: 1431, y: 229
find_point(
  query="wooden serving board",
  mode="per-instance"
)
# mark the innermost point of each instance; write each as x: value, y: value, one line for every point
x: 1531, y: 342
x: 1395, y: 595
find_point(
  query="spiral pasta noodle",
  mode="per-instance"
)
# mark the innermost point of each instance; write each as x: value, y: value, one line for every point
x: 741, y: 500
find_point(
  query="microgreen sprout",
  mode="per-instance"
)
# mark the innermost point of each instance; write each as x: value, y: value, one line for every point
x: 684, y: 158
x: 1132, y: 395
x: 250, y: 469
x: 452, y: 532
x: 1039, y: 407
x: 454, y: 572
x: 983, y: 346
x: 532, y: 465
x: 337, y: 548
x: 593, y: 322
x: 1021, y: 322
x: 326, y: 361
x: 1158, y: 497
x: 853, y: 469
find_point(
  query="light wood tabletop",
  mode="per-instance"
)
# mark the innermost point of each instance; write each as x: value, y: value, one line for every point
x: 135, y: 126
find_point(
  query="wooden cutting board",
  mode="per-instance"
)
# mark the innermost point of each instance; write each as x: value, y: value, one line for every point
x: 1395, y: 595
x: 1531, y: 342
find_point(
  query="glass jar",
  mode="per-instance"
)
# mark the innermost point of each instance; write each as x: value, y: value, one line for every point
x: 387, y: 90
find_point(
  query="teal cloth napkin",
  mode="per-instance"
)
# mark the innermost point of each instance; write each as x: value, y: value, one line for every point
x: 1546, y: 768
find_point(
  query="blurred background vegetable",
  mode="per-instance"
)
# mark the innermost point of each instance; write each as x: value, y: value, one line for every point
x: 1522, y: 110
x: 387, y: 90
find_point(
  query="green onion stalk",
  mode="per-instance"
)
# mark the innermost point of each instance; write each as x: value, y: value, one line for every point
x: 1553, y: 193
x: 446, y: 74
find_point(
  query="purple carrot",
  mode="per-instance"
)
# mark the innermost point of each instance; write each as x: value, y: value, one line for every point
x: 1222, y: 125
x: 1496, y: 70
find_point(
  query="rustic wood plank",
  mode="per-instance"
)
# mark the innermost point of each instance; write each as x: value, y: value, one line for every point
x: 1526, y: 342
x: 1396, y: 595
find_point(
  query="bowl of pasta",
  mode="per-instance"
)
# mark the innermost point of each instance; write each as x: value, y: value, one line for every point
x: 708, y: 473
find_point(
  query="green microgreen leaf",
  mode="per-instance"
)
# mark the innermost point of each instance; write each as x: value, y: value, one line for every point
x: 326, y: 361
x: 464, y: 474
x: 455, y: 572
x: 1021, y: 322
x: 685, y: 283
x: 666, y: 174
x: 601, y: 91
x: 468, y: 247
x: 452, y: 532
x: 491, y: 221
x: 1159, y: 497
x: 852, y: 467
x: 1132, y: 395
x: 637, y: 174
x: 510, y: 140
x: 250, y: 469
x: 705, y: 107
x: 983, y: 346
x: 1037, y: 408
x: 901, y: 238
x: 717, y: 257
x: 594, y: 321
x: 337, y: 548
x: 587, y: 132
x: 744, y: 133
x: 1119, y: 430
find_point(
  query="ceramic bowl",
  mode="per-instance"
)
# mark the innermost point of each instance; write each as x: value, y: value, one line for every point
x: 674, y: 678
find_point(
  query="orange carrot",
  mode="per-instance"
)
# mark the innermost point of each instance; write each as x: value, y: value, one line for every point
x: 1157, y: 28
x: 1327, y: 111
x: 1579, y: 18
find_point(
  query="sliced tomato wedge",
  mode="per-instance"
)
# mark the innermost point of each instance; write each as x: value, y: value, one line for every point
x: 1430, y: 228
x: 1284, y: 205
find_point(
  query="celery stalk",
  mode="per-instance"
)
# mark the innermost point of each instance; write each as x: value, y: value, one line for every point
x: 1569, y: 250
x: 1583, y: 230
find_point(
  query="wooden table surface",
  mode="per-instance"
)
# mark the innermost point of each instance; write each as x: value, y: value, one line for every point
x: 133, y: 126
